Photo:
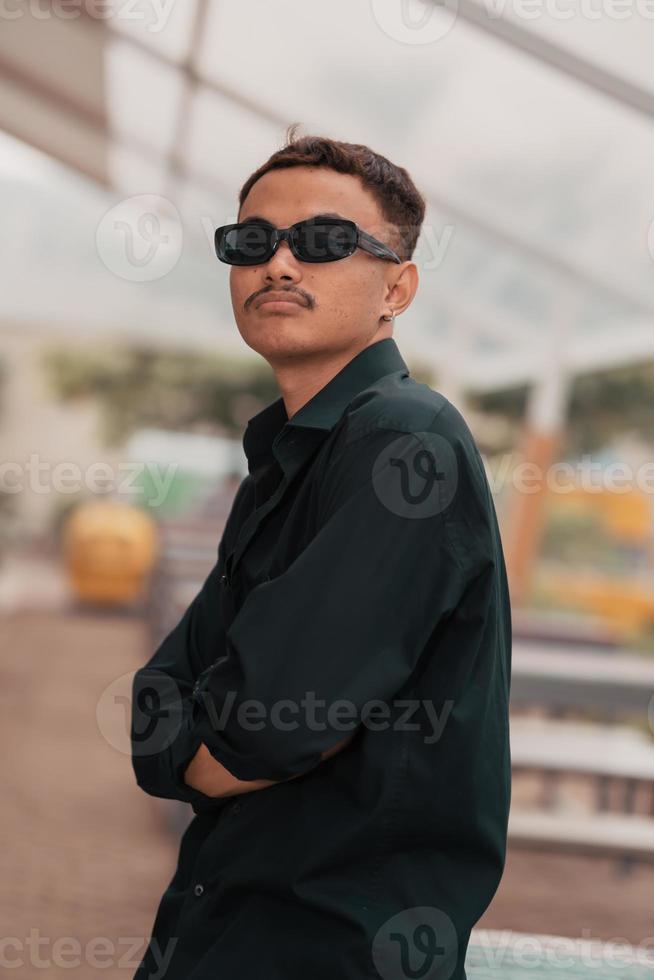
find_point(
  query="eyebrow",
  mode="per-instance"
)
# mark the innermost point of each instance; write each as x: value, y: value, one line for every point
x: 323, y: 214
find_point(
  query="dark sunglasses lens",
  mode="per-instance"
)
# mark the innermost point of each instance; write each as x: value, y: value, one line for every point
x: 245, y: 244
x: 324, y: 241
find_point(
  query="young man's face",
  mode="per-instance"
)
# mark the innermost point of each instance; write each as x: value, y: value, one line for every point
x: 342, y: 301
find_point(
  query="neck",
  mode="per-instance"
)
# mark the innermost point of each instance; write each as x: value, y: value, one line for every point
x: 301, y: 377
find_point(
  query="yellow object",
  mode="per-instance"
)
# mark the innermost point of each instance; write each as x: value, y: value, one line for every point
x: 626, y: 602
x: 109, y: 551
x: 626, y: 517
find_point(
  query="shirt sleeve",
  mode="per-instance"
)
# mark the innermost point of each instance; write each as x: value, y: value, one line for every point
x: 163, y: 739
x: 345, y: 622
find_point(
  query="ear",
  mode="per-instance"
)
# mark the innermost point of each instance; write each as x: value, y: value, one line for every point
x: 402, y: 286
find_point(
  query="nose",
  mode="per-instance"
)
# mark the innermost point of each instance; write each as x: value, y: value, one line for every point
x: 283, y: 264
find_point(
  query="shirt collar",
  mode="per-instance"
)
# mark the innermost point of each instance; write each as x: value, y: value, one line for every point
x: 271, y: 432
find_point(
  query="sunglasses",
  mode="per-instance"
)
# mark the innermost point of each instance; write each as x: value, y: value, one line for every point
x: 314, y: 240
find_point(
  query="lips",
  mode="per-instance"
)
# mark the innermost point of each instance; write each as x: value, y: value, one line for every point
x: 279, y: 297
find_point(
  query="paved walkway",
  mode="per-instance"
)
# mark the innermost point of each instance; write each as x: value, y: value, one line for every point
x: 85, y: 854
x: 579, y: 897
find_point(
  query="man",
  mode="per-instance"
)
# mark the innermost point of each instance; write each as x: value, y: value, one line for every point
x: 334, y: 702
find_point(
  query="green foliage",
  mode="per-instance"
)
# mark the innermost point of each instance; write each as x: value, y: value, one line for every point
x: 510, y: 402
x: 140, y: 387
x: 579, y: 540
x: 602, y: 405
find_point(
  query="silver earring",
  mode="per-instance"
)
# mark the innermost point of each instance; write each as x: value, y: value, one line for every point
x: 390, y: 318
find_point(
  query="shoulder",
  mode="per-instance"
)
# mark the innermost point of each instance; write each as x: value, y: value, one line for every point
x: 413, y: 442
x: 400, y: 404
x: 396, y: 401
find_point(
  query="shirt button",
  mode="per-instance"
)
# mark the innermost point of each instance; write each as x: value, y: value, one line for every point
x: 198, y: 889
x: 236, y: 807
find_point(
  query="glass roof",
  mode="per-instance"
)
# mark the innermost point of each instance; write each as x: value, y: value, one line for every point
x: 526, y: 124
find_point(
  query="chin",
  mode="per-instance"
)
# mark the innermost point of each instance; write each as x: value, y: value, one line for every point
x: 282, y: 336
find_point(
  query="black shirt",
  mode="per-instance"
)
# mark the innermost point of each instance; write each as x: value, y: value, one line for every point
x: 359, y: 584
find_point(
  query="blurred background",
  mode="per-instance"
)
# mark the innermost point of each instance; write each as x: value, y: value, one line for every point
x: 126, y: 130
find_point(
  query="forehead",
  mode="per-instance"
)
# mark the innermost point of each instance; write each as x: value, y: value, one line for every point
x: 294, y: 193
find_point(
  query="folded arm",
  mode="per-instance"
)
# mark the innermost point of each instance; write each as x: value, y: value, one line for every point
x: 209, y: 776
x: 343, y: 626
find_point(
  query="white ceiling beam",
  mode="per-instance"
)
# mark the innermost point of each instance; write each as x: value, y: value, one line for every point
x: 622, y: 90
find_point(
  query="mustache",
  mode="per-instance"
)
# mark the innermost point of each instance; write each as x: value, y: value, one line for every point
x: 308, y: 299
